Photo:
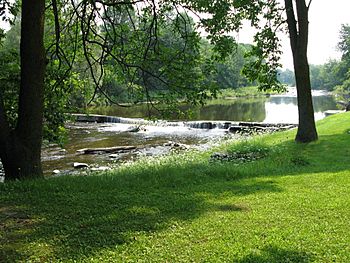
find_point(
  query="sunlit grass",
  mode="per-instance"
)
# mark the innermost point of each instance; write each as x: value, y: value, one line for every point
x: 291, y: 204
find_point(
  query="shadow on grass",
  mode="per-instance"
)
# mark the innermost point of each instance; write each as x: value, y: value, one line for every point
x: 272, y: 254
x: 328, y: 154
x: 72, y: 218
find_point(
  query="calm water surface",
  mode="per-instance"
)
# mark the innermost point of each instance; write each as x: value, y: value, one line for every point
x: 274, y: 109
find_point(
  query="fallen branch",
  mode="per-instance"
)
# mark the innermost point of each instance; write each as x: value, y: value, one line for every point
x: 106, y: 150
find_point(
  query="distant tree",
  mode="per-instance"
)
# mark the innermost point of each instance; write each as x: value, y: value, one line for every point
x: 344, y: 43
x: 342, y: 68
x: 229, y: 72
x: 286, y: 77
x: 342, y: 71
x: 330, y: 75
x: 316, y: 77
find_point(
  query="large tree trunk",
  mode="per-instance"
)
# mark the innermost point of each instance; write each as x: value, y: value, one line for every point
x: 21, y: 148
x: 20, y: 161
x: 299, y: 32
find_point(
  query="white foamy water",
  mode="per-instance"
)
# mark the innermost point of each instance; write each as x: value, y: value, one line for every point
x: 163, y: 130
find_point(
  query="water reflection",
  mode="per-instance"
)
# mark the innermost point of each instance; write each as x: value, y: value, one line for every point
x: 281, y: 108
x: 232, y: 110
x: 228, y: 110
x: 285, y: 109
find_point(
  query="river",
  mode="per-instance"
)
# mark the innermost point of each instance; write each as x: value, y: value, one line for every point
x: 274, y: 109
x: 153, y: 140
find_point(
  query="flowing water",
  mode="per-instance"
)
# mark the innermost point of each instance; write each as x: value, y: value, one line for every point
x: 153, y: 139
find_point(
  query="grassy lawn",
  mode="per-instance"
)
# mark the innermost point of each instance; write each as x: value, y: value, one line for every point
x: 275, y: 201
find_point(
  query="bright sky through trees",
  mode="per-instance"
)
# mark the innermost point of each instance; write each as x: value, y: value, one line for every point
x: 326, y: 18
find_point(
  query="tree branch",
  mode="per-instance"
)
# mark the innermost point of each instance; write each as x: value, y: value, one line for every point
x: 116, y: 2
x: 57, y: 25
x: 292, y: 24
x: 308, y: 6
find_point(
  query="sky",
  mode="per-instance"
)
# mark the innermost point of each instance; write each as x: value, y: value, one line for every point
x: 325, y: 20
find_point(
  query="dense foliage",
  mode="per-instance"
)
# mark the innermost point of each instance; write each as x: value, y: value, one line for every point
x: 342, y: 71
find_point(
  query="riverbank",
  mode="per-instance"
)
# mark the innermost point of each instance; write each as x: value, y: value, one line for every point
x: 270, y: 200
x: 244, y: 92
x: 342, y: 97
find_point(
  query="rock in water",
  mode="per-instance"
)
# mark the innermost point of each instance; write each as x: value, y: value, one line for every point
x: 136, y: 129
x: 101, y: 168
x: 80, y: 165
x: 238, y: 129
x: 176, y: 145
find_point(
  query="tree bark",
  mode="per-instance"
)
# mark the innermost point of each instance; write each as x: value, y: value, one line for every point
x: 4, y: 129
x: 298, y: 32
x: 21, y: 148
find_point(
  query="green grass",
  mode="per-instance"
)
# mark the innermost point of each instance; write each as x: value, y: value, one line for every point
x: 289, y: 205
x: 251, y: 91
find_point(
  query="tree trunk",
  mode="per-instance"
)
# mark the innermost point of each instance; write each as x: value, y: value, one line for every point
x: 307, y: 128
x: 19, y: 160
x: 21, y: 148
x: 298, y: 32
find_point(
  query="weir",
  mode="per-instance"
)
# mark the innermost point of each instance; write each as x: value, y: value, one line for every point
x: 232, y: 126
